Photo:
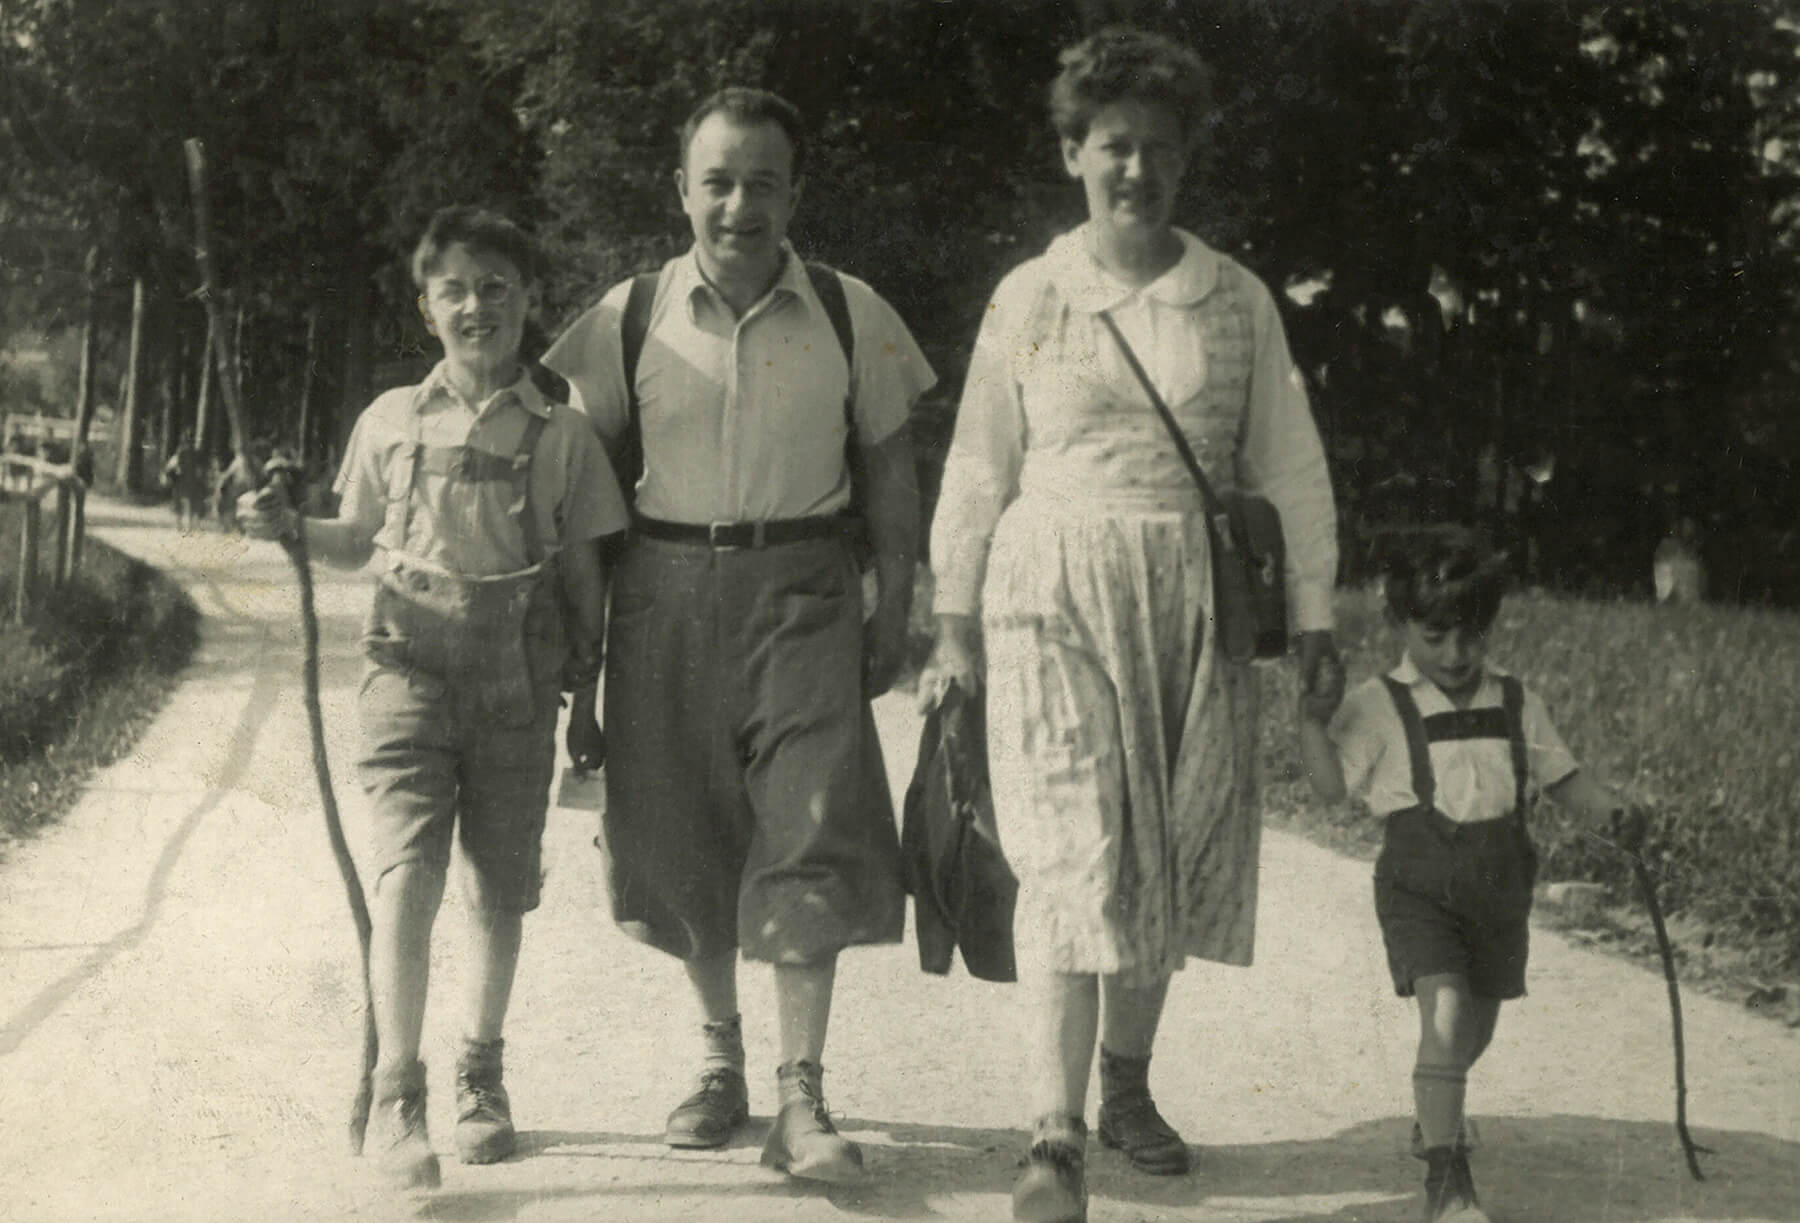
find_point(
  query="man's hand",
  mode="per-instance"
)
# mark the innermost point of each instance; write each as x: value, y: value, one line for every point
x: 266, y: 513
x: 884, y: 647
x: 585, y: 740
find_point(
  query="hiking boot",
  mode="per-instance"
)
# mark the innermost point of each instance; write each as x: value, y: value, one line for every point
x: 1053, y: 1187
x: 712, y: 1114
x: 803, y: 1142
x: 484, y: 1127
x: 1450, y: 1189
x: 1468, y: 1139
x: 1129, y: 1120
x: 403, y: 1154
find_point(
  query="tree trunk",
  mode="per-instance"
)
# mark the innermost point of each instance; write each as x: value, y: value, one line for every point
x: 308, y: 375
x: 203, y: 401
x: 84, y: 390
x: 127, y: 468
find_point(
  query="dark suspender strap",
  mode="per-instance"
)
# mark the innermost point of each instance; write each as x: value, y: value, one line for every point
x: 1512, y: 700
x: 1417, y: 746
x: 634, y: 329
x: 520, y: 509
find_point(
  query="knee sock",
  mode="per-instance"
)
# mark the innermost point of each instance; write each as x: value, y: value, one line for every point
x: 724, y: 1042
x: 1438, y: 1098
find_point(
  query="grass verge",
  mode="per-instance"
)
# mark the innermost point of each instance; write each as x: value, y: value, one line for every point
x: 1688, y: 709
x: 81, y: 679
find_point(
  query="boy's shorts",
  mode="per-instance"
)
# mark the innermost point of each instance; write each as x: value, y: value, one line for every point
x: 1455, y: 899
x: 432, y: 762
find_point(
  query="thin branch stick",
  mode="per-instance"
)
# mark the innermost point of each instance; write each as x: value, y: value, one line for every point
x: 224, y: 350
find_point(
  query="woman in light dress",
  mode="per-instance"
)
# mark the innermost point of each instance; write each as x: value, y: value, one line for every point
x: 1073, y: 570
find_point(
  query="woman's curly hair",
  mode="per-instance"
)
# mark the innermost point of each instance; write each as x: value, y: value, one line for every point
x: 1120, y: 62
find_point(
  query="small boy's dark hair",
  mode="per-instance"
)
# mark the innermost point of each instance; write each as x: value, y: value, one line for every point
x: 476, y: 228
x: 749, y: 107
x: 1443, y: 577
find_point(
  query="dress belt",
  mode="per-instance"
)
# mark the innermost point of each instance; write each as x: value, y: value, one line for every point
x: 728, y: 535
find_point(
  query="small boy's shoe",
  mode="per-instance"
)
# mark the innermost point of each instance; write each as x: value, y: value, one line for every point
x: 484, y: 1127
x: 1129, y: 1120
x: 803, y: 1142
x: 403, y: 1154
x: 1468, y: 1139
x: 1450, y: 1189
x: 712, y: 1114
x: 1053, y: 1187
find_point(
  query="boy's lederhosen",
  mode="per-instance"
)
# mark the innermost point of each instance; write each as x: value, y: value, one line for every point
x: 1456, y: 897
x: 460, y: 702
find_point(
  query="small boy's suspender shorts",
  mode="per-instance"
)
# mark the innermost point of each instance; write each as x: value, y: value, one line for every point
x: 459, y: 703
x: 1454, y: 897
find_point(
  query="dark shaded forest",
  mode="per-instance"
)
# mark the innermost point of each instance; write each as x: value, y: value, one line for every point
x: 1538, y: 260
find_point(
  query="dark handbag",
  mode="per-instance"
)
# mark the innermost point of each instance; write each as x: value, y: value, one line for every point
x: 1249, y: 553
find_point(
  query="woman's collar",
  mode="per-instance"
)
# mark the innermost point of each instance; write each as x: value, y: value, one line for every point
x: 1089, y: 287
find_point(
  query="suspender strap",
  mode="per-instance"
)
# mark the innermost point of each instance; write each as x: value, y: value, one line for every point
x: 1506, y: 722
x: 1512, y: 699
x: 469, y: 464
x: 1424, y: 782
x: 520, y: 508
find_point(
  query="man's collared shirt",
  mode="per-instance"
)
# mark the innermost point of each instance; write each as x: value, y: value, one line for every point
x: 1474, y: 776
x: 743, y: 418
x: 462, y: 525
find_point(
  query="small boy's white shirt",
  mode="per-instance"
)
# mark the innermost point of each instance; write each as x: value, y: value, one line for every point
x: 1474, y: 777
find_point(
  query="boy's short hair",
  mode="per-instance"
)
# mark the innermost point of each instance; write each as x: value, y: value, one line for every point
x: 748, y: 107
x: 478, y: 229
x: 1443, y: 577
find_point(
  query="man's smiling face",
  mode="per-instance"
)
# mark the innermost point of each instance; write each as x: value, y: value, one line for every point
x: 738, y: 189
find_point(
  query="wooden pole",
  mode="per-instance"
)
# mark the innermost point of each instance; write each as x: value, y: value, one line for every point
x: 28, y: 557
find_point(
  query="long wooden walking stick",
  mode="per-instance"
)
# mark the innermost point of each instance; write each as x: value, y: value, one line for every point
x: 226, y: 358
x: 1690, y: 1149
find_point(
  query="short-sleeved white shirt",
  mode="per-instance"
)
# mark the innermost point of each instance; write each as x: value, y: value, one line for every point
x: 743, y: 418
x: 1474, y: 776
x: 465, y: 527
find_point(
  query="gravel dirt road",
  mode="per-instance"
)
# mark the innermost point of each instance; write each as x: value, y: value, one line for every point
x: 178, y: 1020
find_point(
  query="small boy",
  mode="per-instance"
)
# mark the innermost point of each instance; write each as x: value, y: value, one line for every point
x: 1448, y: 750
x: 487, y: 505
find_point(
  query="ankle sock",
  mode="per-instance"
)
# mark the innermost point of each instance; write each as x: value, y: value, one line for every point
x: 724, y: 1041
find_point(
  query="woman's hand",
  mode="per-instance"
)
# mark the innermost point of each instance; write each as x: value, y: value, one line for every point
x: 955, y: 659
x: 1321, y: 676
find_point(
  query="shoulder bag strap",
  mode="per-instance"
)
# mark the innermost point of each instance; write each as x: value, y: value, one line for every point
x: 1215, y: 509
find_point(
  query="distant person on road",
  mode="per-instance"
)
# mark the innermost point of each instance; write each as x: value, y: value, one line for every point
x: 747, y: 804
x: 185, y: 476
x: 487, y: 504
x: 1450, y: 751
x: 1070, y: 546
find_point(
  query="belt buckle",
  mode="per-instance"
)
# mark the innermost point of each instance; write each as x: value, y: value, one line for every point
x: 717, y: 539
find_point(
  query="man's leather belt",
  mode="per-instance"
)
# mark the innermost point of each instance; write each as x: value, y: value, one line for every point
x: 741, y: 534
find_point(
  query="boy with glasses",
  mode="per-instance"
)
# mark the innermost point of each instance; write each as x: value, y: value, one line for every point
x: 487, y: 505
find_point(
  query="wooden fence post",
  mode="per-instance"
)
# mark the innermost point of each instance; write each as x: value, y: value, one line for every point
x: 78, y: 528
x: 28, y: 554
x: 59, y: 561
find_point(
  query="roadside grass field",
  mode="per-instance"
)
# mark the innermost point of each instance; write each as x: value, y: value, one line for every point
x: 80, y: 680
x: 1690, y: 709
